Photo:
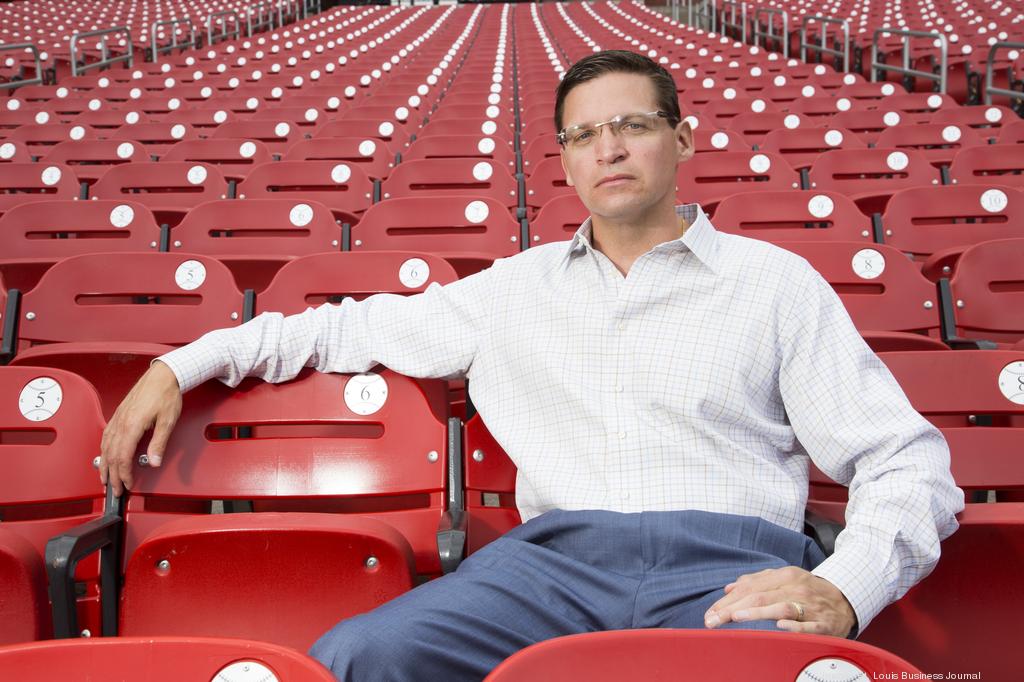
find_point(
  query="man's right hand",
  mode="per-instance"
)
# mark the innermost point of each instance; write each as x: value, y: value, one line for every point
x: 154, y: 402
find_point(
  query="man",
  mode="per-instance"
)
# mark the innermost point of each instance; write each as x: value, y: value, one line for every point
x: 661, y: 388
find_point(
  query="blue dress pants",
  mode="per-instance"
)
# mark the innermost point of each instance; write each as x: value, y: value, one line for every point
x: 561, y: 573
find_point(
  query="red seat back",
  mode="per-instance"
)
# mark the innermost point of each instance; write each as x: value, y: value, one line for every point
x: 468, y: 231
x: 161, y: 658
x: 329, y: 277
x: 660, y: 655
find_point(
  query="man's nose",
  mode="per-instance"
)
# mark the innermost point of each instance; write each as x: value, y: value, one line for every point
x: 610, y: 147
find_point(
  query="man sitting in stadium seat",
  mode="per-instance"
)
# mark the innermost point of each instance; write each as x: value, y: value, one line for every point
x: 662, y: 389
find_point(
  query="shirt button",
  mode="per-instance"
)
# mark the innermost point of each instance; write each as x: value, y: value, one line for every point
x: 622, y: 326
x: 618, y: 388
x: 624, y: 495
x: 622, y: 435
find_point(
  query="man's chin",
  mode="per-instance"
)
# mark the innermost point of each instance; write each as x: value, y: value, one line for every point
x: 617, y: 208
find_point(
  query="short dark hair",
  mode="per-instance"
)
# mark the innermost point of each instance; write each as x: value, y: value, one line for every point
x: 619, y: 61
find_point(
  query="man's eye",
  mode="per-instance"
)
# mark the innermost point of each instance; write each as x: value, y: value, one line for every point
x: 583, y: 136
x: 635, y: 126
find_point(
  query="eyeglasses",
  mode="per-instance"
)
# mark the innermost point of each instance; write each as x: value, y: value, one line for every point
x: 624, y: 125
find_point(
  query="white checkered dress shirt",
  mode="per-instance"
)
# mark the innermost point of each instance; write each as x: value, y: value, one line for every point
x: 708, y: 378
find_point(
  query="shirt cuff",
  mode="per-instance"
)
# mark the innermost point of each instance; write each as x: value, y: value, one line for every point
x: 192, y: 365
x: 854, y: 570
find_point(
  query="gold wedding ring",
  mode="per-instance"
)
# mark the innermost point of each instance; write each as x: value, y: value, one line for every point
x: 799, y: 611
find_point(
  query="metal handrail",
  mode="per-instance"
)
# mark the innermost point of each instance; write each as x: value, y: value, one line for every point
x: 308, y: 5
x: 106, y: 60
x: 877, y: 66
x: 822, y: 49
x: 38, y: 80
x: 292, y: 7
x: 264, y: 10
x: 989, y: 71
x: 732, y: 5
x: 156, y: 50
x: 769, y: 34
x: 702, y: 14
x: 226, y: 33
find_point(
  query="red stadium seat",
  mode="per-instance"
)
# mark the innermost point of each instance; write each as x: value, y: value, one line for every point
x: 986, y: 299
x: 709, y: 178
x: 344, y: 188
x: 540, y: 149
x: 753, y: 127
x: 26, y: 608
x: 722, y: 111
x: 660, y: 656
x: 37, y: 235
x: 937, y: 142
x: 448, y: 177
x: 467, y: 126
x: 706, y: 140
x: 490, y: 481
x: 38, y: 137
x: 22, y: 183
x: 973, y: 397
x: 801, y: 146
x: 105, y: 316
x: 276, y: 135
x: 936, y: 224
x: 890, y: 303
x: 558, y: 220
x: 372, y: 156
x: 158, y: 137
x: 546, y: 181
x: 1001, y: 164
x: 468, y: 231
x: 396, y: 136
x: 50, y: 422
x: 871, y: 176
x: 919, y: 102
x: 349, y: 498
x: 14, y: 152
x: 491, y: 149
x: 255, y: 237
x: 91, y: 158
x: 795, y: 215
x: 1011, y: 133
x: 233, y: 157
x: 869, y: 124
x: 169, y: 189
x: 159, y: 659
x: 330, y: 277
x: 986, y: 120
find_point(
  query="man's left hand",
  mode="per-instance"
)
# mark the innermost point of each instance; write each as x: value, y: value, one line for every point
x: 779, y: 594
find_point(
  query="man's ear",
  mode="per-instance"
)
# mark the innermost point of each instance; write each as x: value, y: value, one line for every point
x: 565, y: 169
x: 684, y: 141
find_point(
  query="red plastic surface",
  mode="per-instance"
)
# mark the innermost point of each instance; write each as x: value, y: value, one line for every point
x: 307, y: 452
x: 441, y: 225
x: 790, y: 217
x: 346, y: 192
x: 282, y: 578
x: 670, y: 655
x: 310, y: 280
x: 151, y: 659
x: 707, y: 179
x: 988, y: 282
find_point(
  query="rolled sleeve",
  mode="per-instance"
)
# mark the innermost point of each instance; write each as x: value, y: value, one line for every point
x: 857, y: 426
x: 434, y: 334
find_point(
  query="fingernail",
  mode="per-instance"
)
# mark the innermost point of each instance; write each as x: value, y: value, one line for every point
x: 712, y: 620
x: 740, y: 615
x: 154, y: 460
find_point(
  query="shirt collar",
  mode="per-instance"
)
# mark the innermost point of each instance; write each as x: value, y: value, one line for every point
x: 700, y: 239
